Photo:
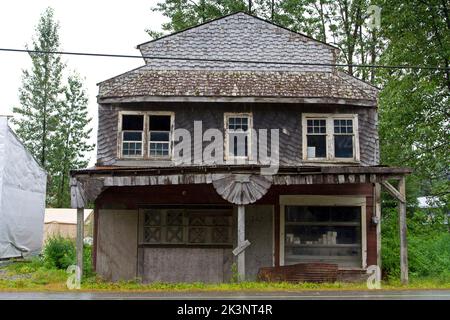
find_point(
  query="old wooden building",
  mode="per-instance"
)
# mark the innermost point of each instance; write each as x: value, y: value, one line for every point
x: 237, y: 142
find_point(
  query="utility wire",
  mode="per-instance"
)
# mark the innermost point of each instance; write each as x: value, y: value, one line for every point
x: 109, y: 55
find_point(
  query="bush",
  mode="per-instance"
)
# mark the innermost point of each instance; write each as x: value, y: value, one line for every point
x: 428, y: 246
x: 60, y: 253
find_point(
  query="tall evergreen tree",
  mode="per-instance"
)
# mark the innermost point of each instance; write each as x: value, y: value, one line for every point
x: 35, y: 119
x: 71, y: 139
x: 52, y: 118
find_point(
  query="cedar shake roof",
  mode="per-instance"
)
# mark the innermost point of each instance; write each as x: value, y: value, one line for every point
x: 208, y: 83
x: 303, y: 66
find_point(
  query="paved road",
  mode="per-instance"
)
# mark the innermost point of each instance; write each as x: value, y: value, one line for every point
x: 286, y: 295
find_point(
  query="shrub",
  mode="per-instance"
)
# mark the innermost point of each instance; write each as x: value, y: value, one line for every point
x: 60, y: 253
x: 428, y: 246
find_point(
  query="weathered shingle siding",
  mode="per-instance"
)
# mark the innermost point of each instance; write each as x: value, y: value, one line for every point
x: 238, y: 37
x: 287, y: 118
x: 107, y: 134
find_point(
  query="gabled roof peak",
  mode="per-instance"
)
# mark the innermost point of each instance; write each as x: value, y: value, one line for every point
x: 237, y: 13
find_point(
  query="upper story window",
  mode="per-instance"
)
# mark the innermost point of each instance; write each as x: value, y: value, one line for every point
x: 330, y: 137
x: 132, y: 135
x: 146, y: 134
x: 238, y: 135
x: 160, y: 128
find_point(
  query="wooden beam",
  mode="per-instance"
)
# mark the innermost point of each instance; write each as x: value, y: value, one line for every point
x: 276, y: 233
x: 241, y: 240
x: 294, y: 100
x: 393, y: 192
x: 403, y: 229
x: 80, y: 236
x: 377, y: 210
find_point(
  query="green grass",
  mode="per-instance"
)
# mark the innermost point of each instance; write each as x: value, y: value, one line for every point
x: 34, y: 276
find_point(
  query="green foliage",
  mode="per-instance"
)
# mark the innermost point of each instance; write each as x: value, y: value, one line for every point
x: 428, y: 244
x: 414, y: 104
x: 52, y: 117
x: 234, y: 273
x: 187, y: 13
x: 71, y: 138
x: 36, y: 118
x: 60, y: 253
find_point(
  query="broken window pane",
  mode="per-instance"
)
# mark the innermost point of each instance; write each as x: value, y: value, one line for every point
x: 132, y: 122
x: 316, y: 146
x: 159, y: 123
x: 343, y: 146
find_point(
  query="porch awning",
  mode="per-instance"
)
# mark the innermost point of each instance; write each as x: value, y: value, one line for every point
x: 236, y: 184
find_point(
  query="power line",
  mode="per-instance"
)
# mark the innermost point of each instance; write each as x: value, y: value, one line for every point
x: 109, y: 55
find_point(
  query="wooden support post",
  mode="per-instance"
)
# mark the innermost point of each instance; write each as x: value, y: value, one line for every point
x: 402, y: 227
x: 241, y: 240
x: 80, y: 236
x: 377, y: 210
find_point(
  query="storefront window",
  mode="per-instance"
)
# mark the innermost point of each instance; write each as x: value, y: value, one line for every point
x: 329, y: 234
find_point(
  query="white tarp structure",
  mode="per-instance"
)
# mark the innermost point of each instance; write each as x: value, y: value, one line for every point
x: 22, y: 197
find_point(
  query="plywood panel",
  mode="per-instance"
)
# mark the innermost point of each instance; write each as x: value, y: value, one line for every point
x: 184, y: 264
x: 259, y: 231
x: 117, y: 244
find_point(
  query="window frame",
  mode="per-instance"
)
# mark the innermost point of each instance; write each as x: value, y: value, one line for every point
x: 171, y: 134
x: 226, y: 117
x: 145, y: 152
x: 121, y: 132
x: 320, y: 200
x: 187, y: 212
x: 330, y: 146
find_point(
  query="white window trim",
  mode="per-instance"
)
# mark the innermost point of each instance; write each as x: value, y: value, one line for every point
x: 319, y: 200
x: 248, y: 115
x: 329, y: 117
x: 120, y: 136
x: 129, y: 141
x: 145, y: 135
x: 171, y: 134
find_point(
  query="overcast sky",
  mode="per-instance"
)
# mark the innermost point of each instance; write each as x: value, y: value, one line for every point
x: 105, y: 26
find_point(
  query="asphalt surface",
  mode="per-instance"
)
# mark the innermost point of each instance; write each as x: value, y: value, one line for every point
x: 285, y: 295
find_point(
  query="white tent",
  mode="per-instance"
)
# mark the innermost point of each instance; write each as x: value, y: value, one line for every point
x: 63, y: 222
x: 22, y: 197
